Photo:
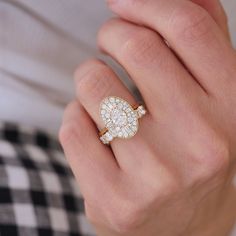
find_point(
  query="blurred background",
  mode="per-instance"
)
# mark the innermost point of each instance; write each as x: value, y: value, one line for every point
x: 41, y: 44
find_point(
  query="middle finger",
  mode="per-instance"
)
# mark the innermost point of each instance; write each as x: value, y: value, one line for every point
x: 159, y: 75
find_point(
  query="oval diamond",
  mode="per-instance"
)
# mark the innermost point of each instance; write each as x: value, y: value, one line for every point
x: 119, y: 117
x: 120, y: 122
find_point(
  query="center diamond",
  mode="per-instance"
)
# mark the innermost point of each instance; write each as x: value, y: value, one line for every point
x: 119, y: 117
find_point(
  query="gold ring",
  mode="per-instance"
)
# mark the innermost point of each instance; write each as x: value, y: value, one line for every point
x: 120, y: 118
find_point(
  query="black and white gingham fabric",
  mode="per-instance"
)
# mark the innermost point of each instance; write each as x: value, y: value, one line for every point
x: 38, y: 194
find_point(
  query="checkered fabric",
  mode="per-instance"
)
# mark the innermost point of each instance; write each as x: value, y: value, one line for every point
x: 38, y: 194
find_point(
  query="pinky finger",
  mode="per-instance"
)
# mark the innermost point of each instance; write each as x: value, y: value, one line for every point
x: 92, y: 163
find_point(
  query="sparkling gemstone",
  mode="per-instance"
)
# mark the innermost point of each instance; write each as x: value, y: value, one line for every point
x: 112, y: 99
x: 119, y: 117
x: 114, y: 132
x: 120, y: 106
x: 109, y: 124
x: 108, y: 136
x: 104, y: 140
x: 110, y: 105
x: 141, y: 111
x: 117, y: 128
x: 130, y: 119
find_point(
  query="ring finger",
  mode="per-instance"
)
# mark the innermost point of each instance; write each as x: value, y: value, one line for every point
x: 95, y: 81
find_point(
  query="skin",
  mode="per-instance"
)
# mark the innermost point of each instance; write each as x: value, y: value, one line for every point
x: 175, y: 176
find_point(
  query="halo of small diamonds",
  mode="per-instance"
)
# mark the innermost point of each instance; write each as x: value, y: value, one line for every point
x: 119, y: 117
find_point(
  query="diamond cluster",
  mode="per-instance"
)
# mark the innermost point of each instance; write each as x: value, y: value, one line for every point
x: 141, y: 111
x: 121, y: 120
x: 119, y: 117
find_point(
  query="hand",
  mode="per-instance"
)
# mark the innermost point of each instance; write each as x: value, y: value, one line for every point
x: 175, y: 176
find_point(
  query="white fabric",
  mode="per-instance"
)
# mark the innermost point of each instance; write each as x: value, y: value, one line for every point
x: 28, y: 218
x: 41, y: 43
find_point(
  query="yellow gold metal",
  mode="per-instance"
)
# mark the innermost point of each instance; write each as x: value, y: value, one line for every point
x: 107, y: 134
x: 103, y: 131
x: 135, y: 106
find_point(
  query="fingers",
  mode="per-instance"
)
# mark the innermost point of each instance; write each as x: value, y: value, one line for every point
x: 158, y: 74
x: 93, y: 164
x: 95, y: 81
x: 216, y: 10
x: 191, y: 33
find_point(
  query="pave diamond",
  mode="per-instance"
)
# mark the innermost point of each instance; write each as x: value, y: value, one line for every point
x: 141, y: 111
x: 119, y: 118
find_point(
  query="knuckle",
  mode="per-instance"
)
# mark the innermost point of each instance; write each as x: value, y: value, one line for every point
x: 216, y: 159
x: 126, y: 218
x: 169, y: 187
x: 130, y: 213
x: 68, y: 132
x: 96, y: 81
x: 213, y: 160
x: 190, y: 24
x: 167, y: 183
x: 141, y: 48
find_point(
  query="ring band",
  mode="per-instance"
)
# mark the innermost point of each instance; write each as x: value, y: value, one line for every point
x: 120, y: 118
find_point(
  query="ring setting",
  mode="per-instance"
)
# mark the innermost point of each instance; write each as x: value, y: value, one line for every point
x: 120, y: 118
